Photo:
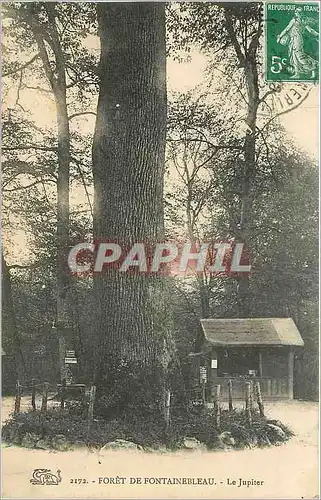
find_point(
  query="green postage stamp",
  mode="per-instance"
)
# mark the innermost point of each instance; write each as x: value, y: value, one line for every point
x: 292, y: 41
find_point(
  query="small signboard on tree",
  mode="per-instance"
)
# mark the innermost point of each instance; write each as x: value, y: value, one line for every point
x: 71, y: 361
x: 70, y: 357
x: 203, y: 374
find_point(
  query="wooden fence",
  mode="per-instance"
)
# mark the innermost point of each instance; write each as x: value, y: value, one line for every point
x: 252, y: 395
x: 271, y: 388
x: 43, y: 388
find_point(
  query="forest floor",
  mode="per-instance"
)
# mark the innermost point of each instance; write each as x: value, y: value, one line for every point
x: 286, y: 471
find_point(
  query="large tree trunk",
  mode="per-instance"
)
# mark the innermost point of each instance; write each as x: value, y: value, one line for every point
x: 128, y: 168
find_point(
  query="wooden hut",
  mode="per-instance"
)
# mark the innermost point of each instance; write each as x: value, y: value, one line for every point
x: 258, y: 349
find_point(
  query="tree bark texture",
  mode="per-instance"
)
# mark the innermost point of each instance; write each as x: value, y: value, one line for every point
x: 128, y: 168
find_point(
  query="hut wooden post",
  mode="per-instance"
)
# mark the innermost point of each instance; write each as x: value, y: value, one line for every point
x: 260, y: 364
x: 91, y: 407
x: 248, y: 403
x: 217, y: 409
x: 251, y: 396
x: 18, y: 398
x: 167, y: 409
x: 259, y: 398
x: 230, y: 396
x: 203, y: 393
x: 290, y: 372
x: 33, y: 394
x: 63, y: 394
x: 44, y: 402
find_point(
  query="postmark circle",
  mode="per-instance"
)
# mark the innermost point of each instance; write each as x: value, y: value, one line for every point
x: 284, y: 97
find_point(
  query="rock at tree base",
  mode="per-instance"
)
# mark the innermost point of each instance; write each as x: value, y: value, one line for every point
x: 44, y: 444
x: 79, y: 444
x: 60, y: 443
x: 121, y: 444
x: 192, y: 444
x: 227, y: 439
x: 275, y: 422
x: 277, y: 431
x: 29, y: 440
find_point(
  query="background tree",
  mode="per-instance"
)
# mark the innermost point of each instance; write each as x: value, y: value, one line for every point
x: 232, y: 32
x: 245, y: 182
x: 52, y: 34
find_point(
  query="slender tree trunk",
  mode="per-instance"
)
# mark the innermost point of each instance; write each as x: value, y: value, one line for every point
x: 57, y: 80
x: 249, y: 173
x: 128, y: 168
x: 12, y: 342
x: 64, y: 322
x: 200, y: 278
x: 248, y: 60
x: 59, y: 87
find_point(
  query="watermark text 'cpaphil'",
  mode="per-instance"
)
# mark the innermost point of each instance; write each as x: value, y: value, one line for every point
x: 171, y: 258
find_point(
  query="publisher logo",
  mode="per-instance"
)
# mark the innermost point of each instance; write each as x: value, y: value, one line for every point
x: 45, y: 477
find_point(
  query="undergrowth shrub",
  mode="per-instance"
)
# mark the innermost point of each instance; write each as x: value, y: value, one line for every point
x: 147, y: 431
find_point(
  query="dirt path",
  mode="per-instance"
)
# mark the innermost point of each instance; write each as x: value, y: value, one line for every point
x: 287, y: 471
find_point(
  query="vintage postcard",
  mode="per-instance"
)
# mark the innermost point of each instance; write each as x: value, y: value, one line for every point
x: 160, y: 324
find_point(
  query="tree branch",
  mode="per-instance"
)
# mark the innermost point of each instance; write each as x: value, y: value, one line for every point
x: 26, y: 266
x: 78, y: 166
x: 17, y: 103
x: 81, y: 113
x: 39, y: 89
x: 29, y: 146
x: 205, y: 141
x: 28, y: 63
x: 232, y: 35
x: 19, y: 188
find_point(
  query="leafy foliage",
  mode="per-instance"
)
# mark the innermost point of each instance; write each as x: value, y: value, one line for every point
x: 148, y: 433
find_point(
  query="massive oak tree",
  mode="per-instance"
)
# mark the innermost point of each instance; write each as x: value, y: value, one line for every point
x: 128, y: 168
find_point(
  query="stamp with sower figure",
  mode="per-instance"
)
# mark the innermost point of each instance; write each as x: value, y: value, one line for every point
x: 292, y: 41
